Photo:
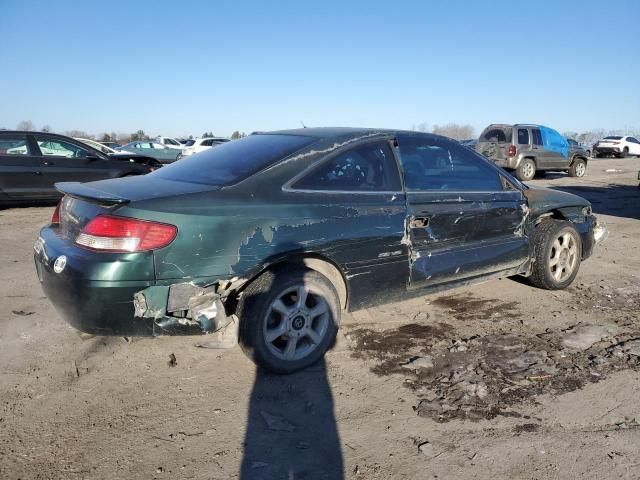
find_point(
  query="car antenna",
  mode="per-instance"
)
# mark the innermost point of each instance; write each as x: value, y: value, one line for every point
x: 303, y: 125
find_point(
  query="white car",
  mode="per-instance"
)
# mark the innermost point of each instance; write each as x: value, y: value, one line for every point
x: 617, y: 145
x: 100, y: 147
x: 170, y: 142
x: 202, y: 144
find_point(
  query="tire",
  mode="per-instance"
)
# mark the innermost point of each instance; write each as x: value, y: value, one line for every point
x: 557, y: 251
x: 625, y: 152
x: 578, y: 168
x: 270, y: 305
x: 178, y: 157
x: 526, y: 170
x: 599, y: 155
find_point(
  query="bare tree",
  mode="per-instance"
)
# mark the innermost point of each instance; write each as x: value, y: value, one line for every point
x: 78, y: 134
x: 235, y: 135
x: 46, y: 128
x: 26, y: 125
x: 454, y: 130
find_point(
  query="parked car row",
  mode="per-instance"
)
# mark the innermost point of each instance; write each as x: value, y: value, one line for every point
x: 528, y: 148
x: 31, y: 163
x: 287, y: 230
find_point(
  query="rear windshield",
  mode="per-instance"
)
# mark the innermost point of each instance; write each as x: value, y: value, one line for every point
x: 497, y: 134
x: 234, y: 161
x: 188, y: 143
x: 613, y: 137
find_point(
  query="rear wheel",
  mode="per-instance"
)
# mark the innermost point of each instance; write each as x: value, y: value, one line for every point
x: 526, y: 170
x: 288, y: 319
x: 557, y: 253
x: 578, y: 168
x: 625, y: 152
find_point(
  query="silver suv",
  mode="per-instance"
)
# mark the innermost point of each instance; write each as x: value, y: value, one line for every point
x: 527, y: 149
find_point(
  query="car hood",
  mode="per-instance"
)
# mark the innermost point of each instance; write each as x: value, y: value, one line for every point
x: 131, y: 189
x: 541, y: 200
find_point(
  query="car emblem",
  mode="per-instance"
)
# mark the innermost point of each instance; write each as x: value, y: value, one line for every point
x: 60, y: 263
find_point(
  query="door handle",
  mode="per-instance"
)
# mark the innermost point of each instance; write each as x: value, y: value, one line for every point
x: 37, y: 172
x: 46, y: 164
x: 419, y: 222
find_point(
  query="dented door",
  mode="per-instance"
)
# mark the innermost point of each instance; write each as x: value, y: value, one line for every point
x: 461, y: 221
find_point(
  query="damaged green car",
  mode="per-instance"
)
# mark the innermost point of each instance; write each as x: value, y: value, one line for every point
x: 271, y: 237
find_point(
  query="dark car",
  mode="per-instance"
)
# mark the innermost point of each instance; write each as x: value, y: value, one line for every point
x: 576, y: 148
x: 31, y: 163
x: 287, y: 229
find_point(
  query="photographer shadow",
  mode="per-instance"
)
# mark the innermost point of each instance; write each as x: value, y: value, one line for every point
x: 292, y: 432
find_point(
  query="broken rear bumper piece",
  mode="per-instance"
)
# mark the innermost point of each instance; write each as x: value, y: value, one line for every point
x: 184, y: 308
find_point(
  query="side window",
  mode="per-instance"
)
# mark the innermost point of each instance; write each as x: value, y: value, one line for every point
x: 60, y: 148
x: 206, y: 143
x: 437, y: 164
x: 537, y: 136
x: 523, y: 136
x: 633, y: 140
x: 169, y: 141
x: 370, y: 167
x: 14, y: 145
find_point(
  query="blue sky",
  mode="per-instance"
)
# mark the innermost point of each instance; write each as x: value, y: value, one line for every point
x: 177, y: 68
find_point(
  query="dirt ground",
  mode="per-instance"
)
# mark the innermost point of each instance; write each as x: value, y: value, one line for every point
x: 498, y: 380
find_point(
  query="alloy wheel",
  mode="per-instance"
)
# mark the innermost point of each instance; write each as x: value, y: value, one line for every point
x: 296, y: 322
x: 563, y: 257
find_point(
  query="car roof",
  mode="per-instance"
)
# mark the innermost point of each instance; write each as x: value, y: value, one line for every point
x: 333, y: 132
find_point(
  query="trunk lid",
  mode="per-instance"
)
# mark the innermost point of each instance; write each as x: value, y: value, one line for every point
x: 84, y: 201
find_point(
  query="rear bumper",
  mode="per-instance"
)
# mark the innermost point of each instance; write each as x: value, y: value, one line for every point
x: 101, y: 306
x: 607, y: 150
x: 510, y: 163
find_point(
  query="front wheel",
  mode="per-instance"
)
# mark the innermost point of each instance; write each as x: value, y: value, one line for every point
x: 557, y: 251
x: 578, y: 168
x: 527, y: 170
x: 288, y: 319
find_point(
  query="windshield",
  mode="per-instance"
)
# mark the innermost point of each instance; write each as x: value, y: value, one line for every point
x: 233, y: 161
x: 497, y: 134
x: 188, y: 143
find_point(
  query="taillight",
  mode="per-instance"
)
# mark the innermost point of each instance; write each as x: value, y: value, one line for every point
x: 512, y: 150
x: 55, y: 218
x: 121, y: 234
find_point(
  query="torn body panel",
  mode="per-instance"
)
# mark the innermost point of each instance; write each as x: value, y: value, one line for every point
x: 183, y: 308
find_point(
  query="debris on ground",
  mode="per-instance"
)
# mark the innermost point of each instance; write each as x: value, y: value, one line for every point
x: 584, y: 336
x: 172, y: 360
x: 22, y: 313
x: 483, y: 376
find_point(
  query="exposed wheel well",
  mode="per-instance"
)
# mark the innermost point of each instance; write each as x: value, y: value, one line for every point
x: 319, y: 264
x: 578, y: 157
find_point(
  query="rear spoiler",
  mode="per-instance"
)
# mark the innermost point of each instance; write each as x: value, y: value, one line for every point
x: 91, y: 194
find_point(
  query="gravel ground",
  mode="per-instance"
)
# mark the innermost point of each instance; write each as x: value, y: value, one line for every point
x: 498, y: 380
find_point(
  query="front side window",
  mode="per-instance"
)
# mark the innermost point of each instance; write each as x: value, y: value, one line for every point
x: 370, y: 167
x: 439, y: 164
x: 170, y: 141
x: 537, y: 136
x: 523, y: 136
x: 60, y: 148
x: 14, y: 145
